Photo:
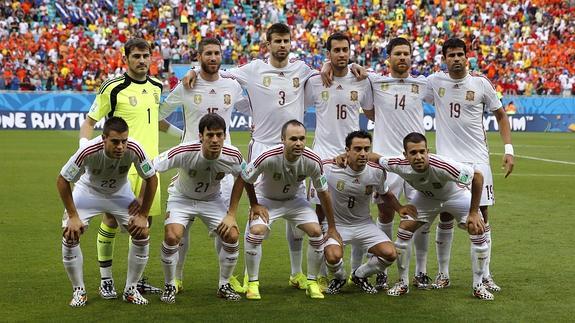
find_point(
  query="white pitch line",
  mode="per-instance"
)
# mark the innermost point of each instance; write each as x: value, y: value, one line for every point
x: 540, y: 159
x: 535, y: 175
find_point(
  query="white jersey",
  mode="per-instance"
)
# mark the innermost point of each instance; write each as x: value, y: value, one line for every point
x: 219, y: 97
x: 398, y: 104
x: 90, y: 166
x: 459, y: 107
x: 441, y: 181
x: 337, y: 110
x: 199, y: 178
x: 276, y: 95
x: 351, y: 191
x: 282, y: 179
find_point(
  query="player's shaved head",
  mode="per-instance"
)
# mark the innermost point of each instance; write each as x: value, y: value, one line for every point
x: 116, y: 124
x: 212, y: 121
x: 362, y: 134
x: 414, y: 137
x: 292, y: 122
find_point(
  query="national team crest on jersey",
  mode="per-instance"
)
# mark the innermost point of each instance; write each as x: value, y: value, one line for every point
x: 353, y: 95
x: 295, y: 82
x: 441, y: 91
x: 415, y: 88
x: 157, y: 98
x: 123, y: 169
x: 133, y: 101
x: 301, y: 178
x: 384, y: 86
x: 340, y: 185
x: 227, y: 99
x: 277, y: 176
x: 197, y: 98
x: 436, y: 185
x: 267, y: 81
x: 219, y: 176
x: 470, y: 96
x: 96, y: 171
x: 325, y: 95
x: 369, y: 190
x: 192, y: 172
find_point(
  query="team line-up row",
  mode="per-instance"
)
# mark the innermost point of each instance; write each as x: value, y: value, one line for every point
x: 277, y: 91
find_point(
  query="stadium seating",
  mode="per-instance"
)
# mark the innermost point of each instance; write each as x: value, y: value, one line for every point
x: 526, y: 45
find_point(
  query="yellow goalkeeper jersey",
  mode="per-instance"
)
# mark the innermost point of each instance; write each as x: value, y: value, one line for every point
x: 137, y: 102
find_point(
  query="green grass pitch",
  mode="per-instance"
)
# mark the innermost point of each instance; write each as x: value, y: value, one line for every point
x: 533, y: 257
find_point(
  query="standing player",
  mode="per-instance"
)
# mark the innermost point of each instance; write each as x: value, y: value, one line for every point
x: 441, y: 187
x: 100, y: 169
x: 135, y: 97
x: 275, y: 88
x: 351, y: 189
x: 283, y: 169
x: 460, y: 101
x: 398, y: 101
x: 337, y: 108
x: 196, y: 192
x: 211, y: 94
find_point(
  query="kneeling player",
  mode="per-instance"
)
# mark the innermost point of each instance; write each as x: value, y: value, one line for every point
x: 351, y: 188
x: 196, y: 193
x: 99, y: 169
x: 441, y: 186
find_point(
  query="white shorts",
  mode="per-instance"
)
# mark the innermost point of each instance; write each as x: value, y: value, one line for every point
x: 428, y: 209
x: 90, y: 203
x: 296, y: 211
x: 487, y: 196
x: 398, y: 186
x: 364, y: 235
x: 183, y: 210
x: 226, y: 186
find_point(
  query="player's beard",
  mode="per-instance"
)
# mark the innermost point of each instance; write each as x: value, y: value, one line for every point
x: 209, y: 69
x: 278, y: 57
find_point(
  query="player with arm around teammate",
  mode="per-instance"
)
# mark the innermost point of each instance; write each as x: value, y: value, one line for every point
x: 196, y: 193
x: 275, y: 87
x: 441, y: 186
x: 351, y: 189
x: 283, y: 168
x: 100, y: 169
x: 212, y: 93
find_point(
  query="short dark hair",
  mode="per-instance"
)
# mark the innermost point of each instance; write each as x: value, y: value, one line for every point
x: 398, y: 41
x: 138, y: 43
x: 116, y: 124
x: 414, y: 137
x: 211, y: 121
x: 208, y: 41
x: 361, y: 134
x: 292, y: 122
x: 277, y: 28
x: 454, y: 43
x: 336, y: 36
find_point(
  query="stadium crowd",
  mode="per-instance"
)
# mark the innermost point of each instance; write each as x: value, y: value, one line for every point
x: 524, y: 47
